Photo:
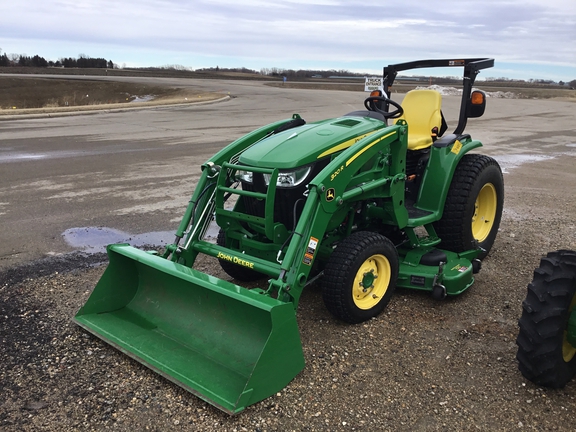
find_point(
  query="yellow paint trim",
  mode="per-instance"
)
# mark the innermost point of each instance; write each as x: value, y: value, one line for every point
x: 353, y: 158
x: 344, y: 145
x: 235, y: 260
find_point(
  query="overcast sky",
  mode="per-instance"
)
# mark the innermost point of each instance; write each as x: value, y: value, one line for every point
x: 527, y: 38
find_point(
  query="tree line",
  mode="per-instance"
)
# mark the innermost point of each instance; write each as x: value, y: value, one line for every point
x: 280, y: 72
x: 83, y: 61
x: 310, y: 73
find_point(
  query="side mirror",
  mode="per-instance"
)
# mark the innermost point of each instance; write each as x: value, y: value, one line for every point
x: 476, y: 104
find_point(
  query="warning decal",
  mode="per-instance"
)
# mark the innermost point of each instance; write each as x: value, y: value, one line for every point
x: 310, y: 251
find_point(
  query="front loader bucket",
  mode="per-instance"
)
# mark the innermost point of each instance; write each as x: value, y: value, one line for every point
x: 229, y: 346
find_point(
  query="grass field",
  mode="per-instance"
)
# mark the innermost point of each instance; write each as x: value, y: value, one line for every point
x: 30, y: 94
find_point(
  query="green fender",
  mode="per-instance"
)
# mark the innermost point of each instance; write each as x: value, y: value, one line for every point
x: 439, y: 173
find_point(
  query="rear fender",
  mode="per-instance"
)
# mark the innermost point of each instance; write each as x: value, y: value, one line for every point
x: 445, y: 155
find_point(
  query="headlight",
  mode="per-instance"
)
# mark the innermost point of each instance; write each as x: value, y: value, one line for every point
x: 287, y: 179
x: 244, y: 176
x: 290, y: 178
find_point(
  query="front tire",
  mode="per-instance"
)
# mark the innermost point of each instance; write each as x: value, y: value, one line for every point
x: 360, y: 277
x: 473, y: 207
x: 545, y: 355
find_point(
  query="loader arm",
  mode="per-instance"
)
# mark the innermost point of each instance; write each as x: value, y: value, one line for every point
x: 198, y: 212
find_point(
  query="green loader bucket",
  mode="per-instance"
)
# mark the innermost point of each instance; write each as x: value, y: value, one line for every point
x: 229, y: 346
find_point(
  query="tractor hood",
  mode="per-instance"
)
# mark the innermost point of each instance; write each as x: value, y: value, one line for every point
x: 305, y: 144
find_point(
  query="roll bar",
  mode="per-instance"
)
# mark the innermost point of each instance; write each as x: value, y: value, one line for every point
x: 471, y: 66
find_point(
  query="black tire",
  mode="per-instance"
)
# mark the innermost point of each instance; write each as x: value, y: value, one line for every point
x: 238, y: 272
x: 354, y: 262
x: 473, y: 207
x: 545, y: 356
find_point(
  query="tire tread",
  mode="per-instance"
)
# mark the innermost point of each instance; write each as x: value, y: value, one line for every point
x: 545, y: 313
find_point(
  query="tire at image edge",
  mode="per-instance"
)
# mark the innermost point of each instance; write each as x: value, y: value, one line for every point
x: 544, y: 355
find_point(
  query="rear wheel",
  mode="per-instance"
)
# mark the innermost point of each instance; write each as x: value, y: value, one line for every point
x: 473, y: 206
x: 546, y: 349
x: 240, y: 273
x: 360, y: 277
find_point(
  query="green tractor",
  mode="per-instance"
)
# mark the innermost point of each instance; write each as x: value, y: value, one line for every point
x: 359, y: 203
x: 547, y: 337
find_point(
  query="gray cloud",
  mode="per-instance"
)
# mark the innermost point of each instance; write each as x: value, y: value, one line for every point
x: 286, y: 32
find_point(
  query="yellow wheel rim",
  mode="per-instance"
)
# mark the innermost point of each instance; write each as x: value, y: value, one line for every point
x: 484, y: 212
x: 371, y: 282
x: 568, y: 351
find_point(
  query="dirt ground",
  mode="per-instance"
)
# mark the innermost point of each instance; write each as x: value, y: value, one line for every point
x: 422, y: 365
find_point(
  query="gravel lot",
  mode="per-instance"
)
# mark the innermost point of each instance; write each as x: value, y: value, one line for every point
x: 421, y: 365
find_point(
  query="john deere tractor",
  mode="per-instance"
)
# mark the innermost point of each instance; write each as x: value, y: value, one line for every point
x: 376, y: 199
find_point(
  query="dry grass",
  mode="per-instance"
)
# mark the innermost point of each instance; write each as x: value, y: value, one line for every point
x: 30, y: 95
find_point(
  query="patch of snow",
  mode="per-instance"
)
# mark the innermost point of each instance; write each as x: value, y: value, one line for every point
x: 453, y: 91
x: 508, y: 162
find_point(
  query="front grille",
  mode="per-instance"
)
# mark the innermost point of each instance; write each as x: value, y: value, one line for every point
x: 283, y: 203
x: 285, y: 199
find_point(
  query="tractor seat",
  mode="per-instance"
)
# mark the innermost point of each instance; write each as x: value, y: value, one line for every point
x: 424, y: 118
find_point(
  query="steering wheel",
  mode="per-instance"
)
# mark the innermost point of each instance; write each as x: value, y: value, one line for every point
x: 370, y: 104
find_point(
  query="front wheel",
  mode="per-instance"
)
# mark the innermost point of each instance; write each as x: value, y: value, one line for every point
x: 473, y: 207
x: 360, y: 277
x: 547, y: 337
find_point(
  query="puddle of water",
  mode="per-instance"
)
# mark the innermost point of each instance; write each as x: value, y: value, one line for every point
x: 145, y: 98
x: 508, y: 162
x: 20, y: 156
x: 95, y: 239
